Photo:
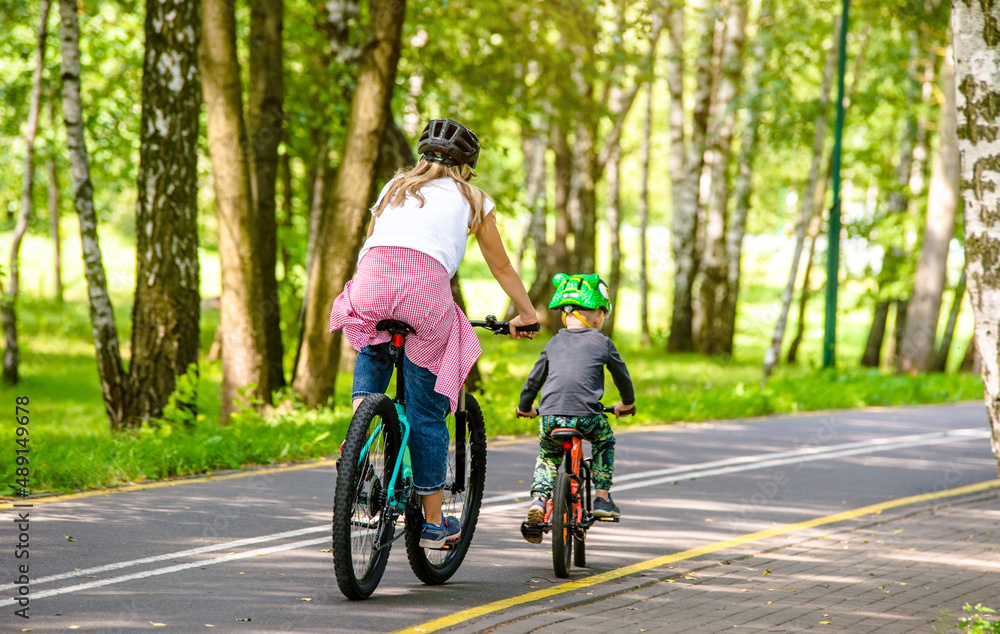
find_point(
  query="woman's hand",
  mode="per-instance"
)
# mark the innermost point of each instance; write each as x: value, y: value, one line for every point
x: 523, y: 321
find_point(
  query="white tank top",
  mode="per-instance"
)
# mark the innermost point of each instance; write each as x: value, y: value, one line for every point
x: 440, y: 228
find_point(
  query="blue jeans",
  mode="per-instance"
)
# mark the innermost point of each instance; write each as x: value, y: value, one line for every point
x: 425, y: 411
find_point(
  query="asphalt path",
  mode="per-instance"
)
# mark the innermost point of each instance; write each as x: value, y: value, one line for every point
x: 252, y: 553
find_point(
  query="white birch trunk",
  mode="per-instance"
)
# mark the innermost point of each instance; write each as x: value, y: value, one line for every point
x: 977, y: 58
x: 102, y: 315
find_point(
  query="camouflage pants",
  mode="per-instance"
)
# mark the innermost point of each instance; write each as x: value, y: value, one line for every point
x: 595, y: 429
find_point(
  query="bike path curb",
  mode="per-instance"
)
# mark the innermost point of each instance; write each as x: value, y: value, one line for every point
x: 533, y: 615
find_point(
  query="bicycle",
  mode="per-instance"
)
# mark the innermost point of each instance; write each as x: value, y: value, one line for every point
x: 375, y: 482
x: 568, y: 511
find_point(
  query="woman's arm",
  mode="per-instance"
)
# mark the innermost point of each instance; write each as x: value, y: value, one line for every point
x: 493, y: 250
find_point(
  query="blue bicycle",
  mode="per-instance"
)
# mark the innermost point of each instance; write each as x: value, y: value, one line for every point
x: 375, y: 483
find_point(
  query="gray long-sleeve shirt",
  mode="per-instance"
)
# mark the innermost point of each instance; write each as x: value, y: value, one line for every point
x: 571, y: 367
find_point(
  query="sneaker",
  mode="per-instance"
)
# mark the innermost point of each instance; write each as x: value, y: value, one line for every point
x: 435, y: 537
x: 606, y: 508
x: 536, y: 512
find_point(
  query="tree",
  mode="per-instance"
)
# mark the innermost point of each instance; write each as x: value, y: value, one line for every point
x: 165, y: 312
x: 917, y: 351
x: 647, y: 132
x: 264, y: 118
x: 243, y: 323
x: 808, y: 207
x: 8, y: 305
x: 977, y: 56
x: 686, y: 162
x: 716, y: 331
x: 342, y: 226
x: 102, y: 316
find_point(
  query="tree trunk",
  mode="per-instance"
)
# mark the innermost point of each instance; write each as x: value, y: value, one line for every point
x: 614, y: 216
x: 744, y: 179
x: 244, y: 343
x: 265, y: 119
x: 8, y: 306
x: 917, y: 352
x: 53, y: 186
x: 686, y: 179
x: 717, y: 332
x: 102, y: 315
x: 800, y: 329
x: 807, y: 207
x: 533, y: 146
x: 644, y: 145
x: 876, y: 335
x: 941, y: 358
x: 898, y: 330
x: 167, y: 298
x: 977, y: 56
x: 345, y: 217
x: 971, y: 361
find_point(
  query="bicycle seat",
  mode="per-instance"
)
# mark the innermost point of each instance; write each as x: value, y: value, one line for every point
x: 565, y: 432
x: 394, y: 326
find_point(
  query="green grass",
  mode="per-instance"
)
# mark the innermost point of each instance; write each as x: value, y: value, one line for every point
x: 72, y: 447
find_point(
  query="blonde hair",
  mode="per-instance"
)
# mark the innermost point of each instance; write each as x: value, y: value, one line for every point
x: 409, y: 183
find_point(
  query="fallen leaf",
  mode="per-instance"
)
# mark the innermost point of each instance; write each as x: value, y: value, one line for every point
x: 246, y: 619
x: 824, y: 622
x: 157, y: 624
x: 304, y: 599
x: 767, y: 571
x: 70, y: 539
x: 326, y: 550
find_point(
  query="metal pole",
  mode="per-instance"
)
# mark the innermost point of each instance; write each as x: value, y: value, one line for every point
x: 833, y: 248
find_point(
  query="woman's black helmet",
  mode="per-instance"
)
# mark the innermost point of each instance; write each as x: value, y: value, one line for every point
x: 449, y: 143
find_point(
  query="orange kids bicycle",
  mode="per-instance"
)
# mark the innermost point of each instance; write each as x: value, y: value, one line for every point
x: 569, y: 510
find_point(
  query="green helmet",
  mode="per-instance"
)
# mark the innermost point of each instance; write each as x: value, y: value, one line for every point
x: 580, y: 291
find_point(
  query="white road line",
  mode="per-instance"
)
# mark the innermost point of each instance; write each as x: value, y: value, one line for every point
x: 239, y: 543
x: 642, y: 479
x: 162, y: 571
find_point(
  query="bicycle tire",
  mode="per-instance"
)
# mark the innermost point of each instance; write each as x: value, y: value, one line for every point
x: 434, y: 567
x: 362, y: 527
x: 562, y: 526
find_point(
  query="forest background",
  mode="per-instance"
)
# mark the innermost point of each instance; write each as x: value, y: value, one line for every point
x: 218, y: 159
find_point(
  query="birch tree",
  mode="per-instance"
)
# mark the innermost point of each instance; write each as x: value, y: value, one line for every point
x: 643, y: 210
x: 807, y: 208
x: 687, y: 155
x: 8, y: 304
x: 102, y: 315
x: 977, y: 58
x: 716, y: 332
x: 165, y: 312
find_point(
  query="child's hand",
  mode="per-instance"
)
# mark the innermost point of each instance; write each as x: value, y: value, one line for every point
x: 532, y: 413
x: 624, y: 410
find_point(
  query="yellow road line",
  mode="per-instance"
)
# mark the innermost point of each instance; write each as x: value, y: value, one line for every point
x: 611, y: 575
x: 166, y: 483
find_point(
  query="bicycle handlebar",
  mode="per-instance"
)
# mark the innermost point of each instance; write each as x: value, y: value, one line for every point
x: 501, y: 327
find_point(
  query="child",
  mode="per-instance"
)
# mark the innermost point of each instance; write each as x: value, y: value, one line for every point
x: 416, y: 239
x: 572, y: 368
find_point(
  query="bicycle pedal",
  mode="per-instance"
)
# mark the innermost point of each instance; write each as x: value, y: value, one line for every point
x: 609, y: 519
x: 532, y: 532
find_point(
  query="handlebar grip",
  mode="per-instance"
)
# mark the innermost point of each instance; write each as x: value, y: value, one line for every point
x: 530, y: 328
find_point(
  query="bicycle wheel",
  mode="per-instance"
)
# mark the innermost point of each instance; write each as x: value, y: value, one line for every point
x: 562, y: 526
x: 362, y: 525
x: 437, y: 566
